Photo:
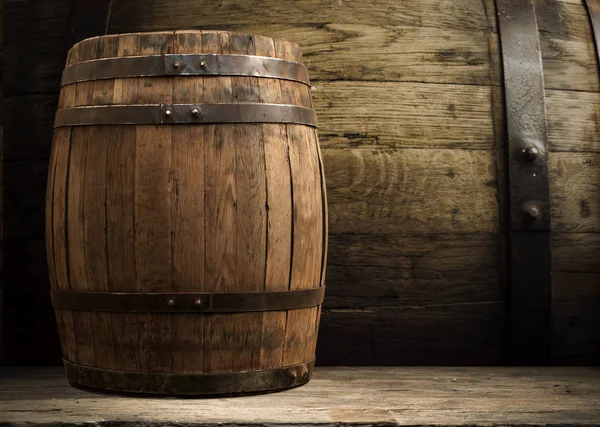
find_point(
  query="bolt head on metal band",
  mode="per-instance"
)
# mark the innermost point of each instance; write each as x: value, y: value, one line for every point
x: 184, y: 114
x: 532, y: 153
x: 185, y: 64
x: 532, y: 211
x: 185, y: 302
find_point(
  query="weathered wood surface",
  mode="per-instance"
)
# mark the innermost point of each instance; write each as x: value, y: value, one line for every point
x: 36, y: 39
x: 414, y: 335
x: 341, y: 41
x: 412, y: 191
x: 129, y: 210
x: 463, y: 118
x: 413, y: 270
x: 336, y: 396
x: 335, y: 35
x: 1, y: 198
x: 388, y: 77
x: 575, y: 192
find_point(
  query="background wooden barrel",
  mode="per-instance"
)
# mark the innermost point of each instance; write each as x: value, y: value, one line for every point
x: 411, y: 115
x: 174, y: 209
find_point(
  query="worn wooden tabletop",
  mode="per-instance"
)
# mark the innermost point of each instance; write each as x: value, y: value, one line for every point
x: 438, y: 396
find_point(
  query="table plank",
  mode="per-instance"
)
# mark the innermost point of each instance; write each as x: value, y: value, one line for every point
x: 439, y: 396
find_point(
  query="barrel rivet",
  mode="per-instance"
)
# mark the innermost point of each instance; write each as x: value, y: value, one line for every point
x: 198, y: 301
x: 167, y: 113
x: 202, y: 64
x: 171, y: 302
x: 176, y: 64
x: 532, y: 153
x: 195, y: 111
x: 532, y: 211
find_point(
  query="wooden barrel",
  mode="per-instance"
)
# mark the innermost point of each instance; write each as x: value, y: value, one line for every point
x: 186, y: 214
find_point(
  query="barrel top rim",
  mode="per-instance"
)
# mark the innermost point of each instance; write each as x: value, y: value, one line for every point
x: 175, y: 32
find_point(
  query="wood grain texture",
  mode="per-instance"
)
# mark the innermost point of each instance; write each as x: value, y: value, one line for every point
x: 575, y: 192
x: 451, y: 396
x: 307, y: 208
x: 568, y: 50
x: 576, y: 252
x: 120, y: 219
x: 427, y: 335
x: 573, y: 121
x: 413, y: 270
x: 419, y: 42
x: 161, y: 208
x: 411, y: 191
x: 94, y: 209
x: 66, y: 328
x: 187, y: 215
x: 154, y: 221
x: 251, y: 230
x: 220, y: 186
x: 431, y: 116
x: 48, y: 226
x: 432, y: 41
x: 57, y: 229
x: 368, y: 51
x: 75, y: 209
x: 576, y: 291
x: 576, y: 317
x: 41, y: 27
x: 152, y: 208
x: 307, y: 239
x: 429, y: 13
x: 21, y: 139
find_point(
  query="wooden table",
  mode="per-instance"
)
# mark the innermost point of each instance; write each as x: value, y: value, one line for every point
x: 438, y: 396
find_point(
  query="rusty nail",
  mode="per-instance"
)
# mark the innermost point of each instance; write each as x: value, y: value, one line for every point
x: 176, y: 64
x: 171, y: 302
x: 195, y: 111
x: 203, y: 64
x: 198, y: 302
x: 532, y: 153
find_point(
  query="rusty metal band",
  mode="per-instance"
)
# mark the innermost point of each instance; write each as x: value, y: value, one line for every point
x: 202, y: 302
x: 180, y: 384
x: 184, y: 114
x: 593, y: 8
x: 185, y: 65
x: 527, y: 149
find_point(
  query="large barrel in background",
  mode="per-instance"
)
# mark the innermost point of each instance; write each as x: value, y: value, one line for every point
x: 412, y: 130
x: 186, y: 214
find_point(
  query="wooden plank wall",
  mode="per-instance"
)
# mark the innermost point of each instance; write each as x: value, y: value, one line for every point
x: 411, y: 116
x: 423, y: 284
x: 35, y: 46
x: 1, y: 187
